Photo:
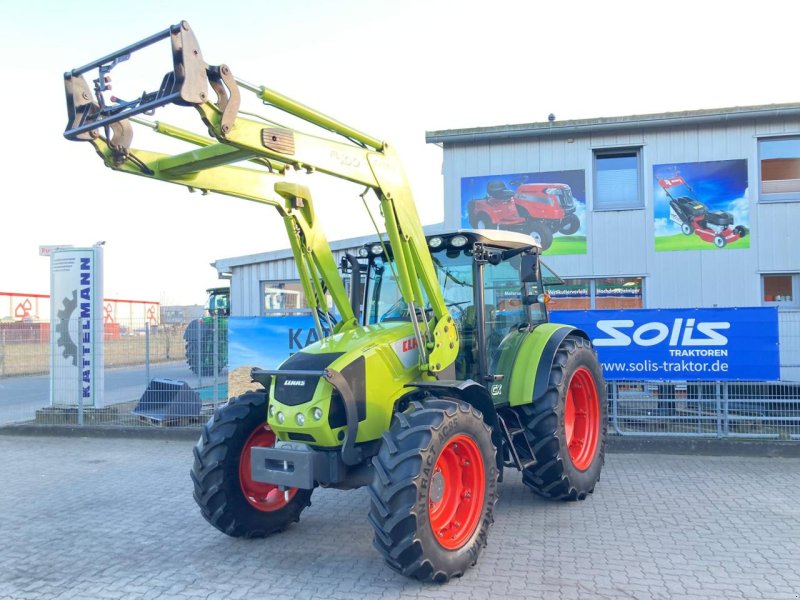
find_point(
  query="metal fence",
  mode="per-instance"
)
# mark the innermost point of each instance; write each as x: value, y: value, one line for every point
x: 173, y: 375
x: 181, y: 365
x: 707, y: 409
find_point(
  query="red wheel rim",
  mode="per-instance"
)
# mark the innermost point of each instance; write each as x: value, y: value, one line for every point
x: 582, y: 418
x: 456, y: 492
x: 263, y: 496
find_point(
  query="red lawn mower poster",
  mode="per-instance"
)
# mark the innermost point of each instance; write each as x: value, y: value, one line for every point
x: 550, y: 207
x: 701, y: 206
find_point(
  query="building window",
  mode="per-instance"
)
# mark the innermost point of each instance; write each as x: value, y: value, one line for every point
x: 779, y: 168
x: 575, y: 294
x: 618, y: 292
x: 618, y: 179
x: 781, y: 290
x: 283, y: 298
x: 606, y: 292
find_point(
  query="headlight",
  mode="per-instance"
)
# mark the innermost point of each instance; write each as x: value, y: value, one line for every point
x: 317, y: 413
x: 376, y: 249
x: 271, y: 410
x: 300, y: 418
x: 458, y: 241
x: 363, y: 252
x: 435, y: 242
x: 279, y: 418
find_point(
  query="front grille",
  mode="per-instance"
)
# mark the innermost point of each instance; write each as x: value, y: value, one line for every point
x: 292, y: 390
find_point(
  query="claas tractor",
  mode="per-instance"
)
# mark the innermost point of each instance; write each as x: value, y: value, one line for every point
x: 203, y: 353
x: 694, y: 218
x: 439, y: 369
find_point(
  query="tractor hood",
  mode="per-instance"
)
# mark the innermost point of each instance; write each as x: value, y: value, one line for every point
x: 377, y: 361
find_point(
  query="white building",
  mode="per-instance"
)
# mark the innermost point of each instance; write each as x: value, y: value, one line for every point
x: 735, y: 170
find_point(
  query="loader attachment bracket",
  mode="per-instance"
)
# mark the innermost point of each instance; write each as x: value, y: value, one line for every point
x: 187, y: 84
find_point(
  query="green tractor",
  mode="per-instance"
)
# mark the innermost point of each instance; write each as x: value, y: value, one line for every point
x: 438, y: 370
x: 202, y: 352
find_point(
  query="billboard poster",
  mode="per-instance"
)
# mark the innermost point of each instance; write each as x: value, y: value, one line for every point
x: 701, y: 206
x: 263, y: 342
x: 76, y: 343
x: 701, y: 344
x: 550, y: 206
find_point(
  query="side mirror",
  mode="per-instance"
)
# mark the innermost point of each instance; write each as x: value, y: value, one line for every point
x: 529, y: 268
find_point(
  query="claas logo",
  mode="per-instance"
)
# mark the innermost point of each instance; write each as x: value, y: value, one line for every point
x: 409, y: 344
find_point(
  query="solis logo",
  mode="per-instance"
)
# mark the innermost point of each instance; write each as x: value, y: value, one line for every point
x: 409, y: 344
x: 681, y: 332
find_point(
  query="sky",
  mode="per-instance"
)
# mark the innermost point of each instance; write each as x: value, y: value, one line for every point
x: 392, y: 69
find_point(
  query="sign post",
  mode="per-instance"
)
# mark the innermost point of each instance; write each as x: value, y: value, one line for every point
x: 76, y: 340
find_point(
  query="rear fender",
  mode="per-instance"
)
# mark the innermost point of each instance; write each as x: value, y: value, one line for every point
x: 534, y: 360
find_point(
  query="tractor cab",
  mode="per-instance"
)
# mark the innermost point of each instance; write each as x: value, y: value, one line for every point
x: 218, y: 302
x: 492, y: 281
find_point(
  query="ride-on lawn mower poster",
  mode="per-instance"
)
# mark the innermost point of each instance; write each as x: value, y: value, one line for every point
x: 549, y: 206
x: 701, y: 206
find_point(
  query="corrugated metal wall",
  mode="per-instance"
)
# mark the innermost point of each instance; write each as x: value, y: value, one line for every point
x: 622, y: 242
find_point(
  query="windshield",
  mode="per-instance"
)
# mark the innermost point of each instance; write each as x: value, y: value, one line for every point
x: 504, y: 296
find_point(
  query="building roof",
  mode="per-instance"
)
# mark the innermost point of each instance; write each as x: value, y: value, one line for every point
x: 711, y: 116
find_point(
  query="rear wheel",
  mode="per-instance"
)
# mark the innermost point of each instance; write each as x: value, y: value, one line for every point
x: 435, y: 486
x: 686, y: 229
x: 567, y: 426
x: 482, y: 221
x: 224, y: 489
x: 569, y: 224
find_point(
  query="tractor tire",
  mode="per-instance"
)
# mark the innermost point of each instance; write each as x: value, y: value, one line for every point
x: 434, y: 490
x: 719, y: 241
x: 569, y: 224
x: 687, y: 229
x: 567, y: 427
x: 223, y: 488
x: 540, y: 232
x: 199, y: 345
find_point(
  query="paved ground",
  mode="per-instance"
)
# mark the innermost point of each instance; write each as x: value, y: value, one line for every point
x: 114, y: 518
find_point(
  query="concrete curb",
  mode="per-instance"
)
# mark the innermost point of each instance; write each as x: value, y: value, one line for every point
x: 616, y: 444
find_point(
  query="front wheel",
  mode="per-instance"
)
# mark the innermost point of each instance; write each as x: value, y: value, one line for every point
x: 567, y: 426
x: 541, y: 233
x: 224, y: 489
x: 434, y: 490
x: 720, y: 241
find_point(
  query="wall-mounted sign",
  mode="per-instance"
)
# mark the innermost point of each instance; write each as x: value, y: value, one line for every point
x: 549, y: 206
x: 76, y: 342
x: 701, y: 205
x: 705, y: 344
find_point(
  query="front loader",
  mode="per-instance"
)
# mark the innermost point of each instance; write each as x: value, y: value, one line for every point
x: 434, y: 374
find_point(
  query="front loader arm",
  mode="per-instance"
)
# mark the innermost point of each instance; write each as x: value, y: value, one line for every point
x: 109, y: 124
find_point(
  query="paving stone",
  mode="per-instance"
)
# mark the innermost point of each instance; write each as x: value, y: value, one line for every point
x: 114, y: 518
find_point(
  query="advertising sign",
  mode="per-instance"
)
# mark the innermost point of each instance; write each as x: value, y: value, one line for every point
x: 76, y: 343
x: 711, y: 344
x: 266, y: 342
x: 550, y: 206
x: 701, y: 205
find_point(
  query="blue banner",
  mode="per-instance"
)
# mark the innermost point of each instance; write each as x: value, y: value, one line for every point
x: 266, y: 342
x: 706, y: 344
